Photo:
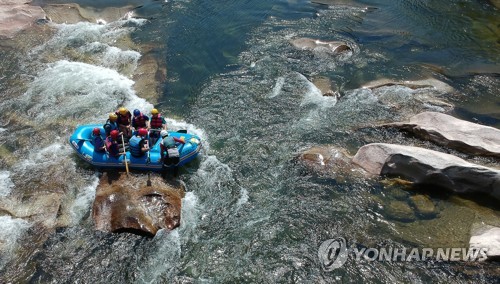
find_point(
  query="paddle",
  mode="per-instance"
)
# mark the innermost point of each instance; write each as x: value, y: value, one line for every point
x: 124, y: 154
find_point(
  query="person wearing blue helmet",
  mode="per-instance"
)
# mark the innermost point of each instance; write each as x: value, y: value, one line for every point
x: 139, y: 120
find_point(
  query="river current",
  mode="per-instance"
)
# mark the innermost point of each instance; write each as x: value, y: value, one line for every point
x: 252, y: 212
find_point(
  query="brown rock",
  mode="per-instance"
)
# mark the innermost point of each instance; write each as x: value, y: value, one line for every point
x: 127, y: 204
x: 17, y: 15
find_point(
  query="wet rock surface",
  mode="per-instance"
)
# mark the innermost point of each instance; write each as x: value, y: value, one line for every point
x: 126, y: 204
x: 18, y: 15
x: 487, y: 237
x: 424, y: 166
x: 454, y: 133
x: 318, y: 45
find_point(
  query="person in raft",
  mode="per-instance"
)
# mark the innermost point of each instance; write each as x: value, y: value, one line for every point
x: 112, y: 144
x: 111, y: 124
x: 139, y: 120
x: 138, y: 144
x: 99, y: 143
x: 168, y: 148
x: 156, y: 124
x: 124, y: 120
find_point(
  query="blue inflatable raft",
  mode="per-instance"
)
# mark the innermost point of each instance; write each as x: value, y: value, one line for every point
x: 81, y: 141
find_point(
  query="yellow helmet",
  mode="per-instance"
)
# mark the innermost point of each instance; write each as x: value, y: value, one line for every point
x: 154, y: 111
x: 113, y: 116
x: 123, y: 111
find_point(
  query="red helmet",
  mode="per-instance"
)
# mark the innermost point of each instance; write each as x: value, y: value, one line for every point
x: 142, y: 132
x: 96, y: 131
x: 114, y: 134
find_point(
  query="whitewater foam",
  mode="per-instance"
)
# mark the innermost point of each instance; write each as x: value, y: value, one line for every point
x: 6, y: 184
x: 82, y: 202
x: 11, y: 229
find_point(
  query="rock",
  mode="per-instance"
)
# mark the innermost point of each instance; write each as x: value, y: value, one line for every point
x: 127, y: 204
x: 424, y: 166
x: 423, y: 204
x: 400, y: 210
x: 314, y: 44
x: 325, y: 86
x: 17, y: 15
x: 486, y: 237
x: 330, y: 160
x: 426, y: 83
x: 454, y: 133
x: 72, y: 13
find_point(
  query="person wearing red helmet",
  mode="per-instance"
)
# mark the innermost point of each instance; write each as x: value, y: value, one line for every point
x: 112, y: 144
x: 99, y: 145
x: 138, y: 144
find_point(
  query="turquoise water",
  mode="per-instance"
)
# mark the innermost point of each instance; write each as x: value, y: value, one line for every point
x: 252, y: 213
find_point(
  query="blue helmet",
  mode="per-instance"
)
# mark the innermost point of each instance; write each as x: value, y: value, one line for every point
x: 137, y: 112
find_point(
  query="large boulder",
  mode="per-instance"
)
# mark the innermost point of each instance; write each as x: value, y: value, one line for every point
x: 418, y: 84
x: 17, y: 15
x: 127, y: 204
x: 424, y: 166
x: 454, y: 133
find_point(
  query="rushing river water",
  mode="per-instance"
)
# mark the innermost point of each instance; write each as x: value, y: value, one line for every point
x: 252, y: 213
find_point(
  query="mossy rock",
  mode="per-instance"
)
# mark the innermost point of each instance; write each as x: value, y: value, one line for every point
x: 400, y: 211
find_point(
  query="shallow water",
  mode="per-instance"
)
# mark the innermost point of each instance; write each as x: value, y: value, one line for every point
x: 252, y: 213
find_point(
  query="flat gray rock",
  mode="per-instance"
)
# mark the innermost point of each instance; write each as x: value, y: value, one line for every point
x: 424, y: 166
x: 454, y: 133
x: 487, y: 237
x: 316, y: 44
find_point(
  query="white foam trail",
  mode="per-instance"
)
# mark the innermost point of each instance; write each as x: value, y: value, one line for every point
x: 49, y: 155
x: 166, y: 253
x: 112, y: 57
x: 277, y: 87
x: 11, y: 229
x: 79, y: 89
x: 190, y: 212
x: 6, y: 184
x: 82, y: 202
x: 243, y: 198
x: 2, y: 129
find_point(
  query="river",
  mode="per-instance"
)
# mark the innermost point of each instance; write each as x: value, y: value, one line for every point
x: 252, y: 212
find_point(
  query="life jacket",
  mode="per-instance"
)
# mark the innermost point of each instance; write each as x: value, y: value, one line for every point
x: 98, y: 143
x: 169, y: 142
x: 112, y: 126
x: 135, y: 147
x: 124, y: 119
x: 156, y: 122
x: 139, y: 121
x: 112, y: 147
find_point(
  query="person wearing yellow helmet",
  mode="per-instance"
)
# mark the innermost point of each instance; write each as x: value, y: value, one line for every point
x: 111, y: 124
x: 124, y: 121
x: 156, y: 124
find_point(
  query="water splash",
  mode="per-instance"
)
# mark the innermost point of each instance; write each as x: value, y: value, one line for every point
x: 82, y: 203
x: 6, y: 184
x: 11, y: 229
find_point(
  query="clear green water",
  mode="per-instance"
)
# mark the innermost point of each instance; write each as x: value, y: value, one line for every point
x: 252, y: 212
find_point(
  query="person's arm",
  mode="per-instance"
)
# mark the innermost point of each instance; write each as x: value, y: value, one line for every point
x: 179, y: 140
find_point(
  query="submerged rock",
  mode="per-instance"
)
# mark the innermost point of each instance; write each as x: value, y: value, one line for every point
x: 423, y: 205
x: 400, y: 210
x: 454, y: 133
x: 18, y: 15
x: 127, y: 204
x: 315, y: 44
x: 424, y: 166
x: 330, y: 160
x: 426, y: 83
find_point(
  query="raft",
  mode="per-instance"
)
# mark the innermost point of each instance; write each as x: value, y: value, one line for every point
x: 81, y: 142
